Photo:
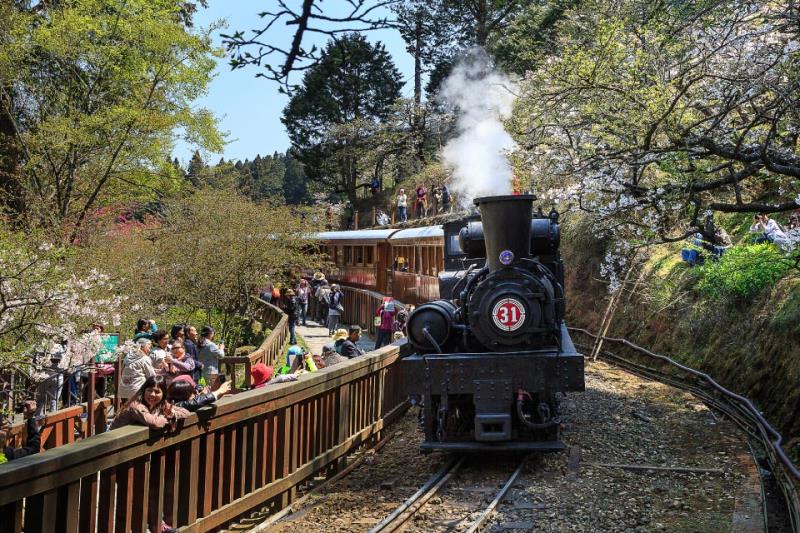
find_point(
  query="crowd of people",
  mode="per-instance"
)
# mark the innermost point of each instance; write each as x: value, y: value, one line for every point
x: 442, y: 202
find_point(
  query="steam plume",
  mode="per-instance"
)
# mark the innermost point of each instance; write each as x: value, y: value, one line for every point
x: 478, y: 156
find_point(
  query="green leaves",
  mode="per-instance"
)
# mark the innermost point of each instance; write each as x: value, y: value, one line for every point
x: 743, y: 271
x: 97, y: 89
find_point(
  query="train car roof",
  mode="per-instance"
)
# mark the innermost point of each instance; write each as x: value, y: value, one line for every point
x: 418, y: 233
x: 360, y: 235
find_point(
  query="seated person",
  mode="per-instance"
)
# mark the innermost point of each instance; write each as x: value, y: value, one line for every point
x: 261, y: 374
x: 338, y: 339
x: 182, y: 392
x: 769, y: 229
x: 350, y: 347
x: 329, y: 357
x: 32, y: 436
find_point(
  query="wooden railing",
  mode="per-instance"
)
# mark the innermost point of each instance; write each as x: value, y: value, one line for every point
x: 359, y: 305
x: 248, y: 451
x: 271, y: 350
x: 65, y: 425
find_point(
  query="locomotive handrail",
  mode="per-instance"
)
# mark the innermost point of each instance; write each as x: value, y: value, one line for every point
x: 223, y: 461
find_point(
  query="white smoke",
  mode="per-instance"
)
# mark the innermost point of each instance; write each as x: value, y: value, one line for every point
x: 484, y: 97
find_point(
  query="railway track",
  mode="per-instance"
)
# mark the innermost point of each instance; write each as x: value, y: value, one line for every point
x: 410, y: 507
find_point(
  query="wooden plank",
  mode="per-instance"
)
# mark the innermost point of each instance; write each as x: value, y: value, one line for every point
x: 251, y: 455
x: 261, y: 452
x: 172, y: 485
x: 124, y: 512
x: 228, y: 460
x: 207, y: 482
x: 189, y: 477
x: 141, y: 485
x: 283, y: 485
x: 106, y: 450
x: 41, y: 512
x: 105, y: 515
x: 88, y: 507
x: 158, y: 466
x: 240, y: 438
x: 284, y: 445
x: 343, y: 413
x: 11, y: 517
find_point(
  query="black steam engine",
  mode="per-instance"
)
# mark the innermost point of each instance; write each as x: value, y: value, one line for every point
x: 491, y: 356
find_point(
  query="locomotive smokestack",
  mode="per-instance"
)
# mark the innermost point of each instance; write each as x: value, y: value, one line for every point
x: 506, y: 228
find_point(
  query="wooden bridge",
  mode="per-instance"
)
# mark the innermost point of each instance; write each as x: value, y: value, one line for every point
x: 247, y: 452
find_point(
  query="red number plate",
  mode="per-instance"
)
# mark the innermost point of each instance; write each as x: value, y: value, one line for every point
x: 508, y: 314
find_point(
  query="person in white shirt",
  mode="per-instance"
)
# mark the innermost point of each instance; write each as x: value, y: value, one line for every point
x: 402, y: 206
x: 770, y: 230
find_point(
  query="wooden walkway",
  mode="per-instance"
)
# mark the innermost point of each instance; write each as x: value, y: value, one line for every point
x: 316, y: 336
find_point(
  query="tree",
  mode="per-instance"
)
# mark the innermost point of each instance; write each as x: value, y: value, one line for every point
x: 351, y: 88
x: 295, y: 188
x: 94, y: 90
x: 195, y: 169
x: 653, y: 115
x: 308, y: 18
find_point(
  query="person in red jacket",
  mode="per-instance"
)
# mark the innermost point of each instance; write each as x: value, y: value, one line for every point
x: 384, y: 320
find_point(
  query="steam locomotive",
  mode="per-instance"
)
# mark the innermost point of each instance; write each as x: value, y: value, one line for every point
x: 491, y: 355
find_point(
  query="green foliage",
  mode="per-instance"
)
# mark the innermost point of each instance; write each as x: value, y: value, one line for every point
x: 352, y: 87
x: 743, y: 271
x: 96, y: 90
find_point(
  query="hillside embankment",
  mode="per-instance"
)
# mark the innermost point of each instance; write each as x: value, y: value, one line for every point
x: 749, y: 344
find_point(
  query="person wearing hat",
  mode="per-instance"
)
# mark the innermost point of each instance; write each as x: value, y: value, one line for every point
x: 335, y: 308
x: 338, y: 339
x: 291, y: 311
x: 261, y: 375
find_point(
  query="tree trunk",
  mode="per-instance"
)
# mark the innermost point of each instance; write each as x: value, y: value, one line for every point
x: 11, y: 194
x: 418, y: 61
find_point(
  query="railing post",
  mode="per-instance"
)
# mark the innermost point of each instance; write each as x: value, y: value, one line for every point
x: 90, y: 401
x: 355, y: 218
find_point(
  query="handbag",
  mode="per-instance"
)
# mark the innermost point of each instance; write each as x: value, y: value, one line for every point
x: 377, y: 321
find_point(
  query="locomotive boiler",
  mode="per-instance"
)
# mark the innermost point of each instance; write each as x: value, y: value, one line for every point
x: 491, y: 356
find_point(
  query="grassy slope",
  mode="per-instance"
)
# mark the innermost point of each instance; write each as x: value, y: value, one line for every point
x: 752, y: 346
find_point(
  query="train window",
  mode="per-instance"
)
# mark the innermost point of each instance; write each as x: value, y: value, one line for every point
x: 359, y: 250
x: 348, y: 255
x: 369, y: 255
x: 454, y: 246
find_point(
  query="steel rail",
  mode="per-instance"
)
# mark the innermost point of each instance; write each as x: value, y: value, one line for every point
x: 414, y: 503
x: 487, y: 513
x: 739, y: 408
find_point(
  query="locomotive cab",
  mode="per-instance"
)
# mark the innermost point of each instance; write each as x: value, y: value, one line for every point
x: 492, y: 355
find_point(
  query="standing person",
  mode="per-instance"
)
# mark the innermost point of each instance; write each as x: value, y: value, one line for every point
x: 303, y: 295
x: 446, y: 199
x: 176, y: 333
x: 350, y: 347
x: 209, y: 353
x: 323, y: 296
x: 190, y: 343
x: 437, y: 200
x: 335, y: 308
x: 179, y: 364
x: 33, y: 443
x: 385, y: 319
x: 160, y: 349
x: 422, y: 201
x: 375, y: 186
x: 291, y: 309
x: 48, y: 371
x: 266, y: 292
x: 142, y: 329
x: 136, y: 368
x: 402, y: 205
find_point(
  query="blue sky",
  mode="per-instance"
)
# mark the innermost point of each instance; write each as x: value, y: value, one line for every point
x: 249, y: 108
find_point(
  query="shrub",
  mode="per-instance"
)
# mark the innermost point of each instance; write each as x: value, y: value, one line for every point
x: 743, y: 271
